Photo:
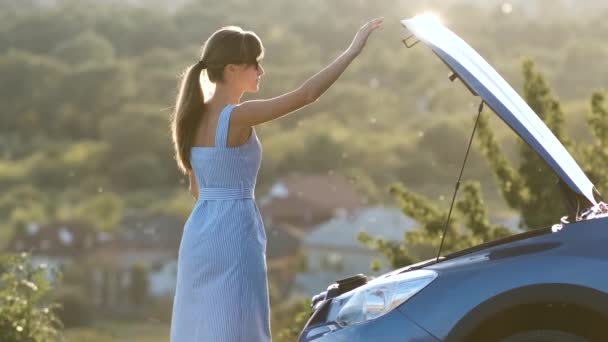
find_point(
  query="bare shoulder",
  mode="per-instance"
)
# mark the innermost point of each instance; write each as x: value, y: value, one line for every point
x: 255, y: 112
x: 237, y: 134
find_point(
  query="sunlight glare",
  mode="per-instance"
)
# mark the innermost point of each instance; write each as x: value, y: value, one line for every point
x: 207, y: 86
x: 430, y: 16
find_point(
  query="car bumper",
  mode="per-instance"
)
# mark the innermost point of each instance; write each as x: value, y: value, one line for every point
x: 394, y: 326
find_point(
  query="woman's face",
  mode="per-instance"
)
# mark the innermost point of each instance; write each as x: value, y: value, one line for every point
x: 251, y: 76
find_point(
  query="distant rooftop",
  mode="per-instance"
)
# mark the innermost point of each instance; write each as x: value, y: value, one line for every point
x: 385, y: 222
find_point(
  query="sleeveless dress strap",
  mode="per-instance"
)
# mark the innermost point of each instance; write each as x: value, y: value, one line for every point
x: 221, y: 133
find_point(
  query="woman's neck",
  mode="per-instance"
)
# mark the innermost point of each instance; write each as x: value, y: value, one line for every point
x: 226, y: 94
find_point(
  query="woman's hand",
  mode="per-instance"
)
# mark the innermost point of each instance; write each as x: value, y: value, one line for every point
x: 255, y: 112
x: 361, y: 37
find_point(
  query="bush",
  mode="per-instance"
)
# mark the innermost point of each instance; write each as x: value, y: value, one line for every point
x: 23, y: 290
x: 76, y: 310
x: 289, y: 319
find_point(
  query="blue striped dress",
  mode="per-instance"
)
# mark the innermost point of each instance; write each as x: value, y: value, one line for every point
x: 221, y: 292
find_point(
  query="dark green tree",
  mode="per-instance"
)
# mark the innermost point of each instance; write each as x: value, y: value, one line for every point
x: 468, y: 226
x: 533, y: 189
x: 595, y: 154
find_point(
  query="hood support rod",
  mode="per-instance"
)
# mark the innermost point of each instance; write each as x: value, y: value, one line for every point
x: 447, y: 222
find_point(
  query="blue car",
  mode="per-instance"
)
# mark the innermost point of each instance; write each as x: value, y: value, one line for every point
x: 548, y: 284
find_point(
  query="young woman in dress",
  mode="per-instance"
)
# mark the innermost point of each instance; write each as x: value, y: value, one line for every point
x: 221, y: 292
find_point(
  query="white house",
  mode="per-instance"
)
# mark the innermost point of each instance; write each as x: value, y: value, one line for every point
x: 332, y: 250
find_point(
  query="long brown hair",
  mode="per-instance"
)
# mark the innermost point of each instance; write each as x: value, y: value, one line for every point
x: 229, y: 45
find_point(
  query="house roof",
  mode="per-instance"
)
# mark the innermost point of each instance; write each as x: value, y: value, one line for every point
x: 328, y: 191
x: 312, y: 195
x: 341, y: 232
x: 280, y: 243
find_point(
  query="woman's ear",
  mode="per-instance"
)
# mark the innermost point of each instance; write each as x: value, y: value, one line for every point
x: 229, y: 70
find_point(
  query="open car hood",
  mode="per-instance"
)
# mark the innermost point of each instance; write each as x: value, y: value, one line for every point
x: 484, y: 81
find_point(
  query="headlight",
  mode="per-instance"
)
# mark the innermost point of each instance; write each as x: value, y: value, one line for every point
x: 381, y: 296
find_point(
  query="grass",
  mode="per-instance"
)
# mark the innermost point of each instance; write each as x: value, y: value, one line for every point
x: 118, y: 331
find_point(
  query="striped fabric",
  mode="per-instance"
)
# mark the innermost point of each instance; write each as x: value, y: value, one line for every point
x: 225, y: 193
x: 221, y: 293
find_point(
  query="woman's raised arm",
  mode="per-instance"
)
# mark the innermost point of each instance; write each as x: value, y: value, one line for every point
x: 255, y: 112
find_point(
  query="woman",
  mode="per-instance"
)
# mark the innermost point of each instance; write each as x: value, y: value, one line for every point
x: 222, y: 290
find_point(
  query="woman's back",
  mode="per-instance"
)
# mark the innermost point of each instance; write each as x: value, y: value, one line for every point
x: 223, y: 166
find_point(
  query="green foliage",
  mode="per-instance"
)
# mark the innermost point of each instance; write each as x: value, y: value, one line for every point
x: 475, y: 216
x: 20, y: 206
x: 25, y: 314
x: 510, y: 182
x: 104, y: 210
x: 86, y: 102
x: 99, y: 81
x: 397, y: 253
x: 28, y: 90
x: 468, y: 226
x: 533, y: 190
x: 545, y: 203
x: 178, y: 203
x: 292, y: 317
x: 596, y: 153
x: 87, y: 47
